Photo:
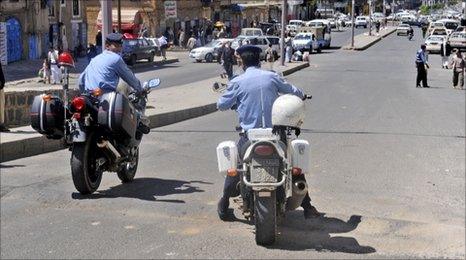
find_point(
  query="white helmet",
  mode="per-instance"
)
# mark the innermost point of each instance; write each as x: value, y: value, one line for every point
x: 288, y: 110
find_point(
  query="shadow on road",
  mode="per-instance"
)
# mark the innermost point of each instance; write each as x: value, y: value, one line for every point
x: 146, y: 189
x: 4, y: 166
x: 299, y: 234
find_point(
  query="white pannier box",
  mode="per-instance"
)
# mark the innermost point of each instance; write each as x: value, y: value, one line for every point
x: 227, y: 156
x: 300, y: 157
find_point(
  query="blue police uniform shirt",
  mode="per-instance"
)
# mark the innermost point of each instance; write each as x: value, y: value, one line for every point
x: 246, y: 91
x: 421, y: 57
x: 104, y: 71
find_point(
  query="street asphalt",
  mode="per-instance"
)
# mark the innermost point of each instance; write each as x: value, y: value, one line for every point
x: 388, y: 169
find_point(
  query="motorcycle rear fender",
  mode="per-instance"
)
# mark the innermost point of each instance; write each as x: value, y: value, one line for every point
x: 77, y: 134
x: 250, y: 150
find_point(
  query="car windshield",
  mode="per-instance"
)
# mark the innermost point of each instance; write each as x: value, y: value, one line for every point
x: 316, y: 24
x: 130, y: 42
x: 303, y: 37
x: 212, y: 44
x: 451, y: 25
x: 273, y: 40
x: 435, y: 39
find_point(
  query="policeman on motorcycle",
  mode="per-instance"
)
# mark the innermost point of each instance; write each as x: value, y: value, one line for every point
x: 105, y: 70
x: 254, y: 111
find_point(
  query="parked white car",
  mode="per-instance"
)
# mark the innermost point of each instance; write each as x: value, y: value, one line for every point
x: 209, y: 52
x: 305, y: 41
x: 434, y: 43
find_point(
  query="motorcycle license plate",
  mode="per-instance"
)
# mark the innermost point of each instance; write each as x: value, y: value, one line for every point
x: 77, y: 134
x: 265, y: 170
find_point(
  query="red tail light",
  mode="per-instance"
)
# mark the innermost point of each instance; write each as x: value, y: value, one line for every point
x: 79, y: 103
x: 264, y: 150
x: 296, y: 171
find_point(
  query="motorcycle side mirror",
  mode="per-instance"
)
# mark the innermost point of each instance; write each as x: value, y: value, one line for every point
x: 153, y: 83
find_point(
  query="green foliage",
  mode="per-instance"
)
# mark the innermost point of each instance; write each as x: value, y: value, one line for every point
x: 425, y: 9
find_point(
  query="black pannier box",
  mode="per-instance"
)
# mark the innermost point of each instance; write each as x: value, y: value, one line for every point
x: 47, y: 116
x: 118, y: 114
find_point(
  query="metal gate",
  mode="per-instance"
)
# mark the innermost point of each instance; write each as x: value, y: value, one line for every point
x: 13, y: 35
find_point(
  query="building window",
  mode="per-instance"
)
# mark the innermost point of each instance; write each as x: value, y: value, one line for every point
x: 76, y: 8
x: 62, y: 2
x: 51, y: 10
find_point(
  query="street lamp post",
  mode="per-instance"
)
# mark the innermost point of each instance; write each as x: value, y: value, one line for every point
x: 282, y: 45
x: 119, y: 16
x: 106, y: 7
x: 352, y: 24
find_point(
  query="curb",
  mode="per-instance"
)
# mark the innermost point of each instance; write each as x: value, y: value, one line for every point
x: 370, y: 43
x: 40, y: 144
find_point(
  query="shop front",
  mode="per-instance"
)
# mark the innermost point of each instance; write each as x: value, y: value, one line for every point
x: 131, y: 21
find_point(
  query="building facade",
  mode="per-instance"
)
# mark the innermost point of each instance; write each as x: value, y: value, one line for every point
x: 33, y: 26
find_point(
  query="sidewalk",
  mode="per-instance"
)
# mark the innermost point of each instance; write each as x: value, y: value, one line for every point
x: 364, y: 41
x: 25, y: 71
x: 164, y: 108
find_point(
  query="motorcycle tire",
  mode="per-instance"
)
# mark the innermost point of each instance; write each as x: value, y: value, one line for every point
x: 86, y: 178
x: 127, y: 173
x: 265, y: 218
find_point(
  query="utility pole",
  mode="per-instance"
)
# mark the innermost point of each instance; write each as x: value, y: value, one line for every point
x: 352, y: 24
x: 119, y: 16
x: 370, y: 17
x: 106, y: 7
x: 282, y: 45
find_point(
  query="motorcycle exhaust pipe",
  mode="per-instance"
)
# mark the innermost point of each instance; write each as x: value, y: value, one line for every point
x: 107, y: 145
x: 299, y: 190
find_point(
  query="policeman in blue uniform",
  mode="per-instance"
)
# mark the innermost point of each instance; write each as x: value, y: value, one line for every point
x: 105, y: 70
x: 244, y: 95
x: 421, y: 64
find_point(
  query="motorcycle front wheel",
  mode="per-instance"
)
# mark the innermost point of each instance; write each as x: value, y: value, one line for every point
x: 128, y: 171
x: 86, y: 177
x: 265, y: 218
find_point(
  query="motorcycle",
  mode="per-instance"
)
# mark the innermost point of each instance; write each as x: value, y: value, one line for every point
x: 102, y: 131
x: 271, y: 166
x: 410, y: 36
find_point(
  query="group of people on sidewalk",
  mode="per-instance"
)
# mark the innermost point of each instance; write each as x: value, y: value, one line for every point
x: 456, y: 62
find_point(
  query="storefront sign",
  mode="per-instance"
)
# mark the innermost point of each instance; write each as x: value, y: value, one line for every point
x: 3, y: 43
x: 170, y: 9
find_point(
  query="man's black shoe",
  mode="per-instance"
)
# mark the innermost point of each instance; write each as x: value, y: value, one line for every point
x: 4, y: 128
x: 311, y: 212
x: 222, y: 209
x: 427, y: 86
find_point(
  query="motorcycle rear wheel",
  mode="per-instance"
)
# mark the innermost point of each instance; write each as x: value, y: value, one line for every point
x: 86, y: 178
x: 128, y: 171
x: 265, y: 218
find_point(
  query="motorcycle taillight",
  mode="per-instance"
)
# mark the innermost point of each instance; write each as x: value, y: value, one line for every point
x: 264, y: 150
x: 79, y: 104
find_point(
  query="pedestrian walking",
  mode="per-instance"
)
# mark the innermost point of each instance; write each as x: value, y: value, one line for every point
x: 288, y: 49
x: 191, y: 43
x: 163, y: 43
x: 270, y: 56
x: 227, y: 58
x: 181, y: 38
x: 45, y: 71
x: 424, y: 30
x: 421, y: 65
x: 53, y: 61
x: 98, y: 42
x: 445, y: 52
x: 457, y: 64
x: 3, y: 128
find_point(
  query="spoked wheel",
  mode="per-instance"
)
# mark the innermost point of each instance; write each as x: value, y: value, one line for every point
x: 86, y: 176
x: 128, y: 171
x: 265, y: 218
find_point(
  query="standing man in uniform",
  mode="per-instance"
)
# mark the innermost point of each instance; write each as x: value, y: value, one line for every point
x: 243, y: 94
x: 3, y: 128
x: 421, y: 65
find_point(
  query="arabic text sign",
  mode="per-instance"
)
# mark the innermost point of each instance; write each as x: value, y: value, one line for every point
x: 170, y: 9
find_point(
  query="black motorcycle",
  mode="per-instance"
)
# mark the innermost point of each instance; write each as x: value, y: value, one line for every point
x: 102, y: 130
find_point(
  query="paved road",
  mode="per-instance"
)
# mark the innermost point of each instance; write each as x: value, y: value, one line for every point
x: 388, y: 166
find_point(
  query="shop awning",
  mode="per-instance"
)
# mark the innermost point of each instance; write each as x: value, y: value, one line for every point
x: 130, y: 19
